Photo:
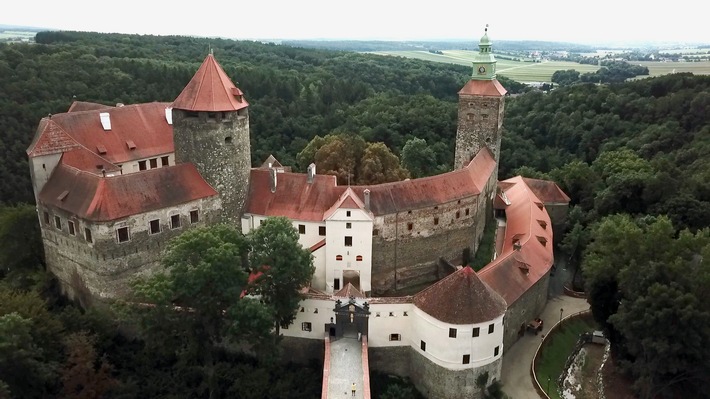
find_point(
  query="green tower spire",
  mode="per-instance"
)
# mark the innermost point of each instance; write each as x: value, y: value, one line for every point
x: 484, y: 63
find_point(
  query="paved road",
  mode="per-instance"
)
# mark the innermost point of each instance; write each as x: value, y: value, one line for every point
x: 516, y: 378
x: 345, y: 368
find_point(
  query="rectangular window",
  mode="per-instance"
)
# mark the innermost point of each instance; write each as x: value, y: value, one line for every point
x: 141, y: 165
x: 164, y: 161
x: 375, y: 232
x: 321, y: 230
x: 336, y: 284
x: 436, y: 221
x: 194, y: 216
x: 87, y: 235
x: 306, y: 326
x: 348, y: 225
x: 155, y: 226
x: 58, y: 222
x: 466, y: 359
x: 410, y: 226
x: 153, y: 163
x: 395, y: 337
x: 476, y: 332
x: 452, y: 333
x: 301, y: 229
x: 122, y: 234
x: 46, y: 217
x: 467, y: 211
x: 175, y: 221
x: 423, y: 346
x: 347, y: 213
x: 458, y: 214
x: 491, y: 328
x: 70, y: 224
x: 496, y: 351
x: 348, y: 241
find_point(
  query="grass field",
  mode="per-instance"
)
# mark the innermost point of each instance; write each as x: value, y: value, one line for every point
x: 542, y: 71
x: 556, y: 350
x: 13, y: 34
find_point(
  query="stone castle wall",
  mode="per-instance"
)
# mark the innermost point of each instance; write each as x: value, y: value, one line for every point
x: 408, y: 244
x: 529, y: 306
x: 480, y: 121
x: 104, y: 268
x: 218, y: 145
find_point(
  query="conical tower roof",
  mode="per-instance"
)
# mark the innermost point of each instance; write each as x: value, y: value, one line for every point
x: 210, y: 90
x: 461, y: 298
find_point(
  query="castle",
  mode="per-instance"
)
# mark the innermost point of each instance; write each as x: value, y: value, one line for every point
x: 114, y: 184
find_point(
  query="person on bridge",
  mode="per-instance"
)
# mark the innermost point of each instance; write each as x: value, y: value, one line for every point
x: 353, y: 388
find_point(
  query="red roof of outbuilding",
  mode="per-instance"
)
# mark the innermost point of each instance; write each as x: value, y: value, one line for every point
x: 210, y: 90
x: 547, y: 191
x: 349, y: 291
x: 461, y: 298
x: 83, y: 159
x: 513, y: 272
x: 296, y: 199
x: 143, y: 124
x: 78, y: 106
x: 483, y: 88
x: 102, y: 199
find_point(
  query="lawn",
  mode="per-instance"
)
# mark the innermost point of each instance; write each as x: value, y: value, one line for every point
x: 556, y: 349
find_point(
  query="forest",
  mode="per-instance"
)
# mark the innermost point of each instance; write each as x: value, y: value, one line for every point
x: 633, y: 156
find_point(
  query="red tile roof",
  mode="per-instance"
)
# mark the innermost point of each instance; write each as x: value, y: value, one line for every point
x: 210, y: 90
x: 320, y: 244
x: 348, y: 200
x: 483, y: 88
x: 102, y: 199
x: 296, y: 199
x: 461, y: 298
x: 513, y: 272
x: 83, y: 159
x: 349, y: 291
x: 143, y: 124
x: 78, y: 106
x: 547, y: 191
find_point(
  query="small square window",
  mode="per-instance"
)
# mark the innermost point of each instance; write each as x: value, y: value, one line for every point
x: 466, y: 359
x: 58, y: 222
x: 194, y: 216
x: 496, y: 351
x: 422, y: 345
x: 46, y: 217
x: 87, y: 235
x: 301, y: 229
x: 395, y: 337
x: 321, y: 230
x: 391, y: 314
x: 358, y: 258
x: 348, y: 225
x: 155, y: 226
x: 375, y: 232
x: 306, y: 326
x: 70, y: 224
x: 491, y: 328
x: 476, y: 332
x: 141, y: 165
x: 153, y: 163
x: 377, y: 314
x: 122, y: 234
x: 175, y: 221
x: 452, y: 333
x: 348, y: 241
x: 338, y: 257
x: 347, y: 213
x: 410, y: 226
x: 405, y: 314
x: 164, y: 161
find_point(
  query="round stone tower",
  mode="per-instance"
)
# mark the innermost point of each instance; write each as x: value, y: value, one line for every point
x: 211, y: 130
x: 481, y: 103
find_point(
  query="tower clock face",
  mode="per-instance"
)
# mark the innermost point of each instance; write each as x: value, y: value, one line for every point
x: 481, y: 69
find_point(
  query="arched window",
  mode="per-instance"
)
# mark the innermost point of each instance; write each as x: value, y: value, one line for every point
x: 338, y: 257
x: 358, y: 258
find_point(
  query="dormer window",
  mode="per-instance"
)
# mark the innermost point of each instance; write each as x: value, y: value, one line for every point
x: 101, y: 149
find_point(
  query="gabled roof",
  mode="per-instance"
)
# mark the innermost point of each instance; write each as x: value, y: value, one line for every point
x: 297, y: 199
x: 347, y: 200
x: 210, y: 90
x: 144, y: 125
x: 349, y: 291
x: 547, y: 191
x: 491, y: 88
x: 271, y: 162
x: 461, y: 298
x: 103, y: 199
x: 83, y: 159
x: 513, y: 272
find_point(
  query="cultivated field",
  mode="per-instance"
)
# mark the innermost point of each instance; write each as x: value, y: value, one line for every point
x: 11, y: 35
x: 516, y: 70
x: 542, y: 71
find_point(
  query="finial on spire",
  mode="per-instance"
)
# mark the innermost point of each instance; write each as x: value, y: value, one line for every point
x: 211, y: 49
x: 486, y: 30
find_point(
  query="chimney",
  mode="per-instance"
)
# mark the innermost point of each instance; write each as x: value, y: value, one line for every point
x: 105, y: 120
x: 273, y: 179
x: 311, y: 172
x: 169, y: 115
x: 367, y: 199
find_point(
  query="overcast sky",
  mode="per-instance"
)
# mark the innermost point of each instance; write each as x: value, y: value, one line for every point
x: 552, y: 20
